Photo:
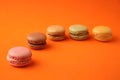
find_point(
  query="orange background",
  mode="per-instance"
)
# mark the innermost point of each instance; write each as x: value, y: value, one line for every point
x: 62, y: 60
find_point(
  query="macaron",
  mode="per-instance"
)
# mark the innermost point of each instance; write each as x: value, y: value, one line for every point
x: 36, y: 40
x: 19, y: 56
x: 102, y: 33
x: 78, y: 32
x: 56, y: 32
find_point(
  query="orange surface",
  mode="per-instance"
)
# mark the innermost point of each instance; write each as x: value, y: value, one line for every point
x: 63, y: 60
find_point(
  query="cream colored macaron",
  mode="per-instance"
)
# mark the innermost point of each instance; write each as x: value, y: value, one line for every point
x: 102, y: 33
x: 56, y: 32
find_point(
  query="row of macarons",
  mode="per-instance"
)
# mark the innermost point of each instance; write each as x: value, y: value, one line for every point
x: 22, y: 56
x: 79, y: 32
x: 37, y: 40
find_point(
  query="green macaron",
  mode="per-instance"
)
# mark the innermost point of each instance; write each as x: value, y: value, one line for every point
x: 78, y: 32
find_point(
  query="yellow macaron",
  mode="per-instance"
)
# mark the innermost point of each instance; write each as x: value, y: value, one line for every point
x: 102, y: 33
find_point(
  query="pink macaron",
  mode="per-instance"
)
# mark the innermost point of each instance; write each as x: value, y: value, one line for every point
x: 19, y: 56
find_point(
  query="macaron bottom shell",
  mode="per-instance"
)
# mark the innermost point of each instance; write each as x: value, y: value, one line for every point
x: 37, y: 47
x: 103, y: 37
x: 56, y: 38
x: 17, y: 63
x: 83, y: 37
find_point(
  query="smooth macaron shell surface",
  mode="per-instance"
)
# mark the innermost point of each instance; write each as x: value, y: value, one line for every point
x: 19, y: 56
x: 78, y: 32
x: 56, y: 32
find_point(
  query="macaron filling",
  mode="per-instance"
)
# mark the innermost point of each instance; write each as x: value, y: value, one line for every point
x: 19, y: 63
x: 79, y: 34
x: 44, y: 43
x: 19, y: 59
x: 103, y: 37
x: 56, y: 35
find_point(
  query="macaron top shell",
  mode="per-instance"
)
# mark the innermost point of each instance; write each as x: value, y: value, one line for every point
x: 101, y: 29
x: 19, y: 52
x: 36, y: 37
x: 55, y: 29
x: 77, y: 28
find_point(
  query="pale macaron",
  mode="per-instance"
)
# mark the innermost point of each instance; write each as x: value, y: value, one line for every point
x: 56, y: 32
x: 102, y: 33
x: 78, y: 32
x: 19, y: 56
